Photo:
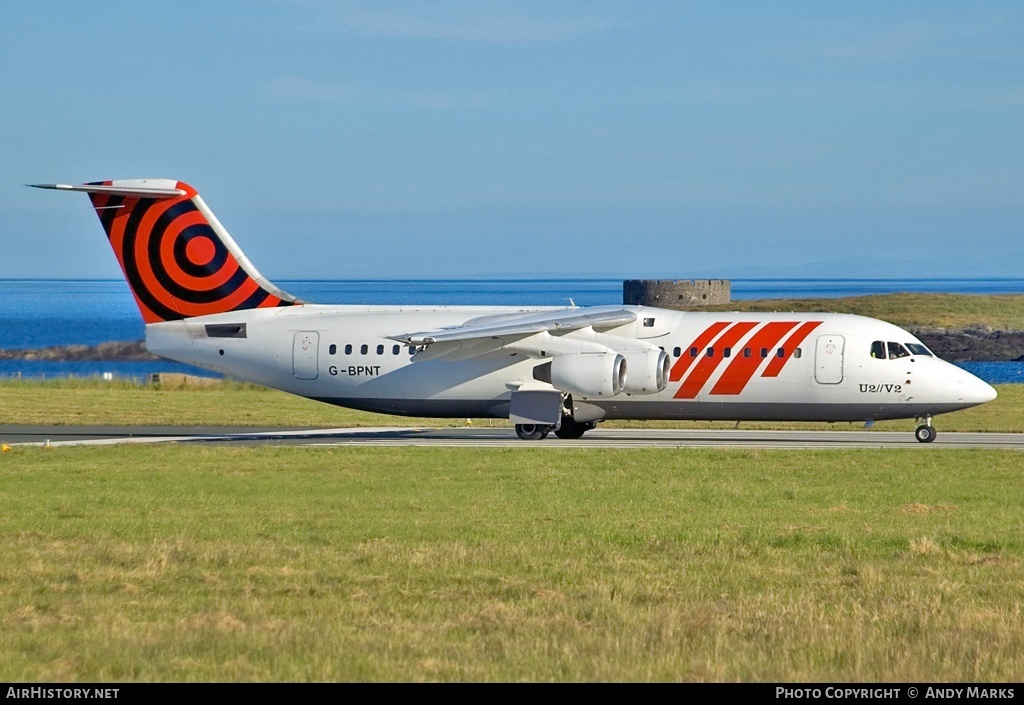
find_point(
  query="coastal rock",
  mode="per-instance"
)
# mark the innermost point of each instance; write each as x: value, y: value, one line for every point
x: 974, y: 344
x: 114, y: 350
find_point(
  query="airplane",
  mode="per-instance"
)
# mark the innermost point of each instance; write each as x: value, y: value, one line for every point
x: 555, y: 369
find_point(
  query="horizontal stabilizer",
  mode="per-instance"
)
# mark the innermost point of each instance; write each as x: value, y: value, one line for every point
x: 140, y: 188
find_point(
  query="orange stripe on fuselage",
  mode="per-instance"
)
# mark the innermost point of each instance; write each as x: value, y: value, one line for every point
x: 696, y: 380
x: 791, y: 344
x: 700, y: 342
x: 742, y: 368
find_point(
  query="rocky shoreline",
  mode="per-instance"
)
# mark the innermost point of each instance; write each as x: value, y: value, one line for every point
x: 966, y: 345
x: 112, y: 351
x: 974, y: 344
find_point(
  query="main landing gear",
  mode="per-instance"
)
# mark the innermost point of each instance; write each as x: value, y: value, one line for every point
x: 532, y: 431
x: 926, y: 433
x: 568, y: 428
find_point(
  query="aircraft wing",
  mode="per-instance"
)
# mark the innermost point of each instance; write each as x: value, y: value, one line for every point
x: 488, y: 334
x: 522, y: 325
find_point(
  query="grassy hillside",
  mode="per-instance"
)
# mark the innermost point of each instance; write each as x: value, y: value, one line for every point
x: 950, y: 311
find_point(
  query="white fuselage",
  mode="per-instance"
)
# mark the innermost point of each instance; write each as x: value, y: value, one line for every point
x: 735, y: 366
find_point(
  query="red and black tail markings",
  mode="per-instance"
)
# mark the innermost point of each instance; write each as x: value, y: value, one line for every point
x: 696, y: 380
x: 792, y: 343
x: 176, y: 263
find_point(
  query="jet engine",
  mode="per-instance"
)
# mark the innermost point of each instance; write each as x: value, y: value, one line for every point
x: 589, y: 374
x: 648, y: 371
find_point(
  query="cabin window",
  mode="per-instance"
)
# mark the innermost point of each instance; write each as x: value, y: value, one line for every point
x: 896, y: 351
x: 764, y: 352
x: 797, y: 353
x: 919, y: 349
x: 711, y: 352
x: 363, y: 349
x: 781, y: 352
x: 380, y: 349
x: 676, y: 352
x: 878, y: 349
x: 694, y: 352
x: 332, y: 350
x: 746, y: 352
x: 348, y: 349
x: 727, y: 352
x: 395, y: 349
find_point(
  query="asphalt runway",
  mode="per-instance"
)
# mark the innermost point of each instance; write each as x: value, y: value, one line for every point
x: 494, y: 437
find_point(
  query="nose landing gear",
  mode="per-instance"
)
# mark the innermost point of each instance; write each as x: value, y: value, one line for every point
x: 926, y: 433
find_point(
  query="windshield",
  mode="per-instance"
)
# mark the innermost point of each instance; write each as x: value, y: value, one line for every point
x: 896, y: 350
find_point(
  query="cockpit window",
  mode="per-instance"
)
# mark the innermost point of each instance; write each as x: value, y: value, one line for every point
x: 896, y: 350
x: 878, y: 349
x: 919, y: 349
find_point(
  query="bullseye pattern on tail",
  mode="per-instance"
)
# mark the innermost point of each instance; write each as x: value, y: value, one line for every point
x: 174, y: 260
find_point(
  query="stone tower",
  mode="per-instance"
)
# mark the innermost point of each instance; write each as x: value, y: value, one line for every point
x: 675, y: 293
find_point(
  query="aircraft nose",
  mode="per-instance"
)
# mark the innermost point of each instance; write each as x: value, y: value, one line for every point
x: 977, y: 391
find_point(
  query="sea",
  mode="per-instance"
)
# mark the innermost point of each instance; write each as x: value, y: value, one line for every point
x: 37, y: 313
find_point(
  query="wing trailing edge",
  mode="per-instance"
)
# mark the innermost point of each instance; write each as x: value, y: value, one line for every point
x: 511, y: 328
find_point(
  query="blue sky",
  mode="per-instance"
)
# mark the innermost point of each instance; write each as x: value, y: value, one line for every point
x: 528, y: 139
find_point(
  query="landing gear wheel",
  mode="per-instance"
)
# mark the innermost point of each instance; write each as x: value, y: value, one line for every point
x: 570, y: 429
x: 925, y: 434
x: 570, y: 433
x: 532, y: 432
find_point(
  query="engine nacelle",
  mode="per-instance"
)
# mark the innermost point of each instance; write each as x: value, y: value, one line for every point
x: 589, y: 374
x: 648, y: 371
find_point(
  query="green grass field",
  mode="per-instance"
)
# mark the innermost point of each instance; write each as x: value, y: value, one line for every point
x: 292, y: 564
x: 186, y: 563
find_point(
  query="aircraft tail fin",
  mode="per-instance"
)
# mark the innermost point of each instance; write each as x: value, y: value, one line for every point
x: 178, y: 259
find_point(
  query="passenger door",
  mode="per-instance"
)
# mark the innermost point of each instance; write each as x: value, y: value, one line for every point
x: 828, y: 359
x: 304, y: 354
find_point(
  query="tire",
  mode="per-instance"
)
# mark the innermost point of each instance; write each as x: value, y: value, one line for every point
x: 530, y: 432
x: 570, y: 430
x: 925, y: 434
